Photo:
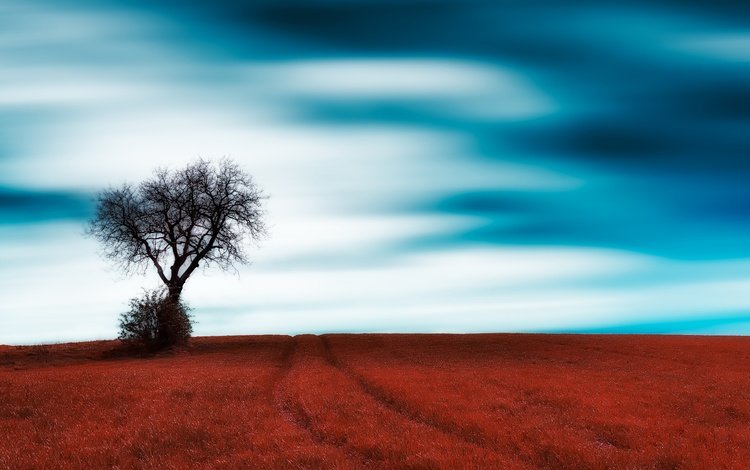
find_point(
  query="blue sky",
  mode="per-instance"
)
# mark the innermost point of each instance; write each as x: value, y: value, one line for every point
x: 433, y: 165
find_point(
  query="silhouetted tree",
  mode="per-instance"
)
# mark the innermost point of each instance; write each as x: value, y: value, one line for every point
x: 178, y: 220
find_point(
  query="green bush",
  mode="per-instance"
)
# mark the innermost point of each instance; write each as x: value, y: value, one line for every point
x: 155, y: 322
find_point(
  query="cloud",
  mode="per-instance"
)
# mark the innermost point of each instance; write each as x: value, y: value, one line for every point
x: 730, y: 47
x: 471, y: 90
x: 488, y: 167
x: 24, y: 206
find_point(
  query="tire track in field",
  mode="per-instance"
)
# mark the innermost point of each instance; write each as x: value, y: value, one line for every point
x: 389, y: 402
x: 297, y: 416
x: 286, y: 365
x: 288, y: 411
x: 389, y: 416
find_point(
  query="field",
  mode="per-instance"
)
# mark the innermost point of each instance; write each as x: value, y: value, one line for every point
x: 381, y: 401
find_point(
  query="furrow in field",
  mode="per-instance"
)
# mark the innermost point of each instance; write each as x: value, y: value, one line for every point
x: 340, y: 412
x: 403, y: 408
x: 292, y: 412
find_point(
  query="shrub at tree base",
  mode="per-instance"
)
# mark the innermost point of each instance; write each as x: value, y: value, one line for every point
x: 154, y: 321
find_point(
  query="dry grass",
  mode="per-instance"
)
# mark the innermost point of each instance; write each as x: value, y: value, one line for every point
x: 381, y: 401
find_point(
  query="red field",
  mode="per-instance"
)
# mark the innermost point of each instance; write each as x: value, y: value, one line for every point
x: 381, y: 401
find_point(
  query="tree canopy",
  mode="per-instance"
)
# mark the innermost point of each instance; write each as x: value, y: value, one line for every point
x: 178, y: 220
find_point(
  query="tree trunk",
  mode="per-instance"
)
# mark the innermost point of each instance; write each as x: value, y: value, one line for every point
x: 168, y: 324
x: 173, y: 292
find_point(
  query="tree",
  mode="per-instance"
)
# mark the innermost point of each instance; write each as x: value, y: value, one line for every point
x: 200, y: 215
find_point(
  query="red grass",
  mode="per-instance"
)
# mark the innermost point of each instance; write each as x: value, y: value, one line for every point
x: 381, y: 401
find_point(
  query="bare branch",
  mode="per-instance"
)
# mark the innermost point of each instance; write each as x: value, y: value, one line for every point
x: 201, y: 214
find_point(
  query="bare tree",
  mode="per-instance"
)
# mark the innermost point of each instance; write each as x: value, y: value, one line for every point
x: 178, y: 220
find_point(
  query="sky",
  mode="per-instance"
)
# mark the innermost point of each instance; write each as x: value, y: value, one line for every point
x: 432, y: 165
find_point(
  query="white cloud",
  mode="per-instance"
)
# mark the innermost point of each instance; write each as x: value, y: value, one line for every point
x: 451, y: 86
x: 731, y: 47
x: 62, y: 290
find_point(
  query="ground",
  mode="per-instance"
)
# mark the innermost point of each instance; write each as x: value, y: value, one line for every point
x: 381, y: 401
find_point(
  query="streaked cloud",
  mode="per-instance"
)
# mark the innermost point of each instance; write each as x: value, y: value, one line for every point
x: 530, y: 167
x: 469, y: 90
x: 732, y: 47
